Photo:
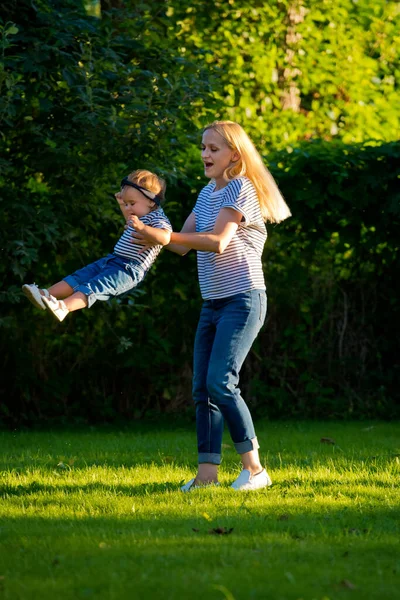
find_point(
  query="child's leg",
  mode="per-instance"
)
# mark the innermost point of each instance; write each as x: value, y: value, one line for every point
x: 113, y: 280
x: 76, y: 301
x: 61, y: 308
x: 60, y: 290
x: 65, y: 287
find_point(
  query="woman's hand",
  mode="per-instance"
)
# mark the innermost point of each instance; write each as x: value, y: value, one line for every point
x: 138, y: 234
x: 139, y: 240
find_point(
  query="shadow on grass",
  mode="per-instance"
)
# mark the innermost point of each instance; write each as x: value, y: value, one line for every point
x: 144, y: 489
x: 89, y: 488
x: 165, y: 445
x: 171, y: 454
x: 341, y: 525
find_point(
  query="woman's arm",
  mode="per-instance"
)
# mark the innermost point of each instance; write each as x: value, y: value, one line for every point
x: 189, y: 226
x: 146, y: 237
x: 157, y: 235
x: 225, y: 227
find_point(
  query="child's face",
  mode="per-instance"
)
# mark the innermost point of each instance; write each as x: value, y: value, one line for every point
x: 135, y: 202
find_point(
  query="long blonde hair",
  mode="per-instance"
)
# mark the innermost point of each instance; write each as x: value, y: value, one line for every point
x: 273, y: 207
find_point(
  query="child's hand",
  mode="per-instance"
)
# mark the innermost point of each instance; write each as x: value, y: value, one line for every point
x: 136, y: 223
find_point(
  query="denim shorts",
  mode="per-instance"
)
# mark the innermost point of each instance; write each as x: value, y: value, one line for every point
x: 106, y: 278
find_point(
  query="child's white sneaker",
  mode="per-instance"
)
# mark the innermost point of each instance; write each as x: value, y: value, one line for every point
x: 246, y: 481
x: 56, y: 307
x: 33, y: 293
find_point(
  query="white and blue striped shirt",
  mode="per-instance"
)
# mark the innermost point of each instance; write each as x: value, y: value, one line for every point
x: 239, y: 268
x: 125, y: 248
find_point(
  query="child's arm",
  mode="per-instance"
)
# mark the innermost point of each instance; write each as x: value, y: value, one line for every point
x: 188, y: 227
x: 153, y: 234
x: 122, y: 206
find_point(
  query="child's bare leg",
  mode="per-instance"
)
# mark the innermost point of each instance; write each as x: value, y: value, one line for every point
x: 76, y: 301
x: 60, y: 290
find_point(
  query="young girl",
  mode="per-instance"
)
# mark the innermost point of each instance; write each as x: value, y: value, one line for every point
x: 140, y: 196
x: 227, y: 228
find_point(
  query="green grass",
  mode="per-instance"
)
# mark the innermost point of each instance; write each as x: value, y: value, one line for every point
x: 98, y: 514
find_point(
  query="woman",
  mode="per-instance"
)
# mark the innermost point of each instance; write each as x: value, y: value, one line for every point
x: 227, y: 228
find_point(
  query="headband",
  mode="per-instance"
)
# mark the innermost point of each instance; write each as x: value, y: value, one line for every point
x: 152, y: 196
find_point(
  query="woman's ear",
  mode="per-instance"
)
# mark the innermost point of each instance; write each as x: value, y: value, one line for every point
x: 235, y: 156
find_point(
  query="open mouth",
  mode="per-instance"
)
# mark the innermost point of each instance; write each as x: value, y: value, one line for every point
x: 207, y: 165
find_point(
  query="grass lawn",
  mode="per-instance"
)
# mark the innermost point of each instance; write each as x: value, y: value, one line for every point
x: 97, y: 513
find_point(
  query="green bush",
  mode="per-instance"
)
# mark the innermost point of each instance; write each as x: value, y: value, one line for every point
x: 331, y: 273
x: 327, y: 346
x: 84, y: 100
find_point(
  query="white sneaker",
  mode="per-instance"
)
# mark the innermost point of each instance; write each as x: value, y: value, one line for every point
x: 56, y: 307
x: 189, y: 486
x: 247, y: 481
x: 32, y: 292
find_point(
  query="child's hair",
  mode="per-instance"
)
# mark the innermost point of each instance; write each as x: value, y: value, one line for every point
x: 273, y: 207
x: 150, y: 181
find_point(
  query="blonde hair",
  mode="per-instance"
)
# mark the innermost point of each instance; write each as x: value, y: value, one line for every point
x: 150, y: 181
x: 273, y: 206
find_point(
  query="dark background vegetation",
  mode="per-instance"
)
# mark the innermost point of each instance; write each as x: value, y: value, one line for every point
x: 92, y: 91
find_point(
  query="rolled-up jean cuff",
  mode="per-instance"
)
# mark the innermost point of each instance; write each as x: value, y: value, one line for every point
x: 206, y: 457
x: 247, y: 446
x: 81, y: 287
x: 90, y: 295
x: 74, y: 283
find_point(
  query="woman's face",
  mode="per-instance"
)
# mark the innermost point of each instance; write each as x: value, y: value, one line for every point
x: 216, y: 155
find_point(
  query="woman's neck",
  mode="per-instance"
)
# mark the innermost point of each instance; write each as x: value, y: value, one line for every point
x: 220, y: 183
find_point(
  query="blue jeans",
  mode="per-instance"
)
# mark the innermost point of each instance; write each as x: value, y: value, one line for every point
x: 105, y: 278
x: 226, y: 330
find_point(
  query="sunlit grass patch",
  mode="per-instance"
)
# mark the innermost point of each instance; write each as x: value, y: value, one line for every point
x: 99, y: 514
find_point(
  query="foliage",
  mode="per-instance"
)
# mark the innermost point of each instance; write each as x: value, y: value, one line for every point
x: 290, y: 70
x: 83, y: 103
x: 84, y: 100
x: 329, y: 340
x: 98, y: 513
x: 331, y: 271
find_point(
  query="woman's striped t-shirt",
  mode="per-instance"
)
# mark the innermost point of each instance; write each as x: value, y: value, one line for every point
x: 125, y: 248
x: 239, y: 268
